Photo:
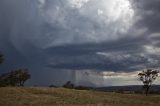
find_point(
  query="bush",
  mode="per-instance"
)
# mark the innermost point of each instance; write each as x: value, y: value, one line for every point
x: 68, y: 85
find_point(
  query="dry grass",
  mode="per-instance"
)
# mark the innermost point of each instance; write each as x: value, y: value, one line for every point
x: 66, y: 97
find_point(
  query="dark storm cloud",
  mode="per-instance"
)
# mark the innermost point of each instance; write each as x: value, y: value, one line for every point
x: 120, y: 55
x: 55, y: 37
x: 149, y: 13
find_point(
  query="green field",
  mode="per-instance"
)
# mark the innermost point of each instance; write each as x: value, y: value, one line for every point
x: 67, y: 97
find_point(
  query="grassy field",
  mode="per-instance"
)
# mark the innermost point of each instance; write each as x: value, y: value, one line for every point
x: 67, y: 97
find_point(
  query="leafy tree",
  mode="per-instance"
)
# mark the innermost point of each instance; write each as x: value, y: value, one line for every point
x: 15, y: 78
x: 22, y: 75
x: 147, y: 77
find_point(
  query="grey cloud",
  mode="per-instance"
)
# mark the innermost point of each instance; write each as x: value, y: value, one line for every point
x: 55, y: 37
x: 149, y: 14
x: 83, y: 25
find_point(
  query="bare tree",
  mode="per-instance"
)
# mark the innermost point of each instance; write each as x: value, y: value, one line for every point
x: 147, y: 77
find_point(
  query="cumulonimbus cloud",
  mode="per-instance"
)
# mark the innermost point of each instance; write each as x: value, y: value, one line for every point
x: 81, y: 21
x: 47, y: 23
x: 83, y: 34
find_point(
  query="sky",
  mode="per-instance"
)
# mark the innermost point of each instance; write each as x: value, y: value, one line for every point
x: 89, y: 42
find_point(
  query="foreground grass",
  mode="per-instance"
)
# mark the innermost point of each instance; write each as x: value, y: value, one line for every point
x: 66, y: 97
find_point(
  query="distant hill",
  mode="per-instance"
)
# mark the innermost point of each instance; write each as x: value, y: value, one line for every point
x: 136, y: 88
